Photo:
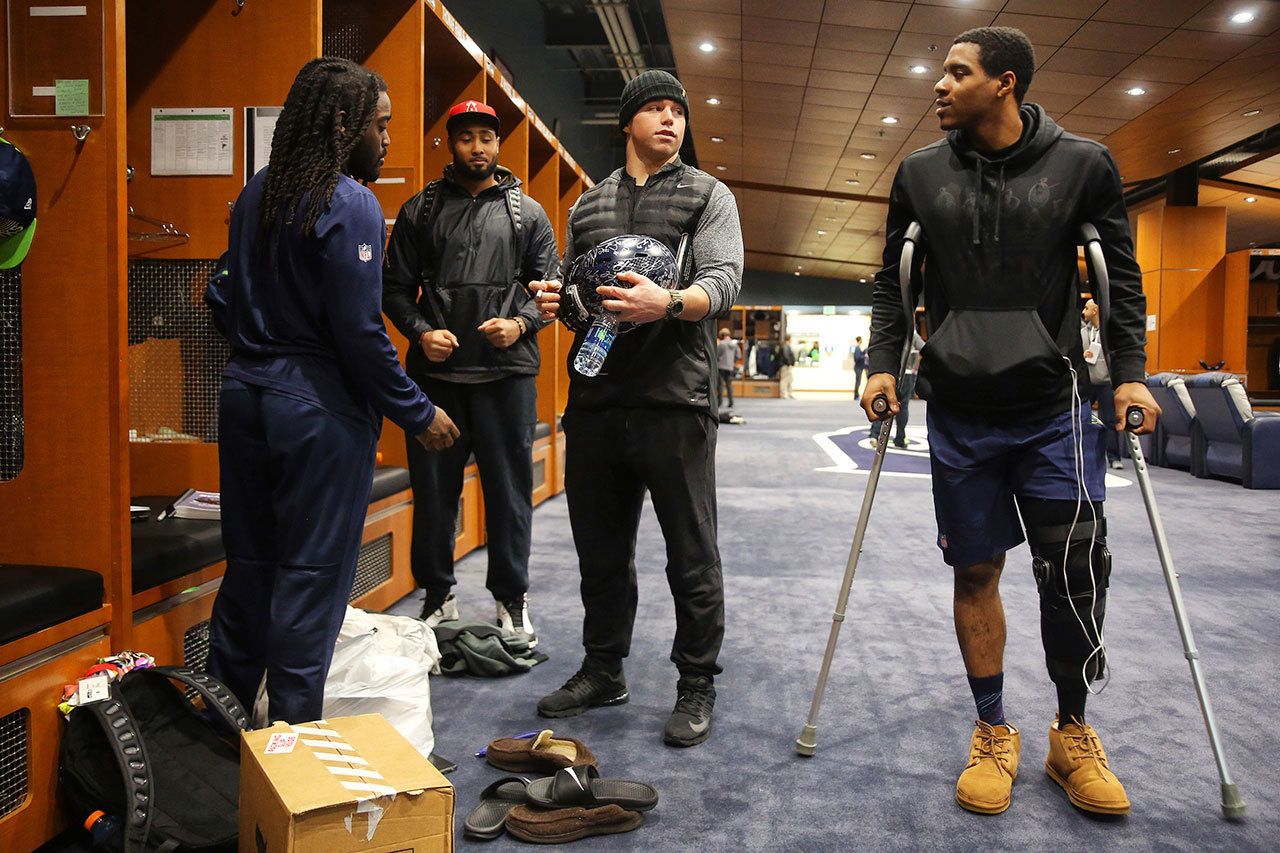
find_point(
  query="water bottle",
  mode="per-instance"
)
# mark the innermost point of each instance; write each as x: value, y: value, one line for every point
x: 595, y: 347
x: 102, y: 828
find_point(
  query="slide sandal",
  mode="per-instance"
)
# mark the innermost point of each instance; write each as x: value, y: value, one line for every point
x: 582, y: 786
x: 538, y: 753
x: 563, y: 825
x: 489, y: 818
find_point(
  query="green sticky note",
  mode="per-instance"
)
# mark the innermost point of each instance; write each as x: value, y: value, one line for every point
x: 71, y: 97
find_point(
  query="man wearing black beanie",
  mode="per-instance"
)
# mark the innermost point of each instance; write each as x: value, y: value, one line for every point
x: 648, y: 420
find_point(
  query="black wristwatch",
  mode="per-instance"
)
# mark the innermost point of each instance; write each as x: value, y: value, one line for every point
x: 676, y: 306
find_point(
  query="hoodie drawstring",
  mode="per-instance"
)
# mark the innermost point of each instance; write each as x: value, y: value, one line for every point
x: 999, y: 201
x: 977, y: 204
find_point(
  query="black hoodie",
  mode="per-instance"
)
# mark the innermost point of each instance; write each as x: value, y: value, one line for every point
x: 1001, y: 281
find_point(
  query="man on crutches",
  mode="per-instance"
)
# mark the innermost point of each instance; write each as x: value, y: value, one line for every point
x: 1013, y: 445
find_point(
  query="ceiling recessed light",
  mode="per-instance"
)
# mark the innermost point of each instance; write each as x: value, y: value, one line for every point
x: 717, y: 139
x: 1250, y: 113
x: 888, y: 119
x: 723, y: 168
x: 797, y: 272
x: 715, y: 102
x: 867, y: 155
x: 706, y: 47
x: 839, y: 201
x: 918, y: 69
x: 852, y: 182
x: 1249, y: 199
x: 808, y: 253
x: 1174, y: 150
x: 831, y: 219
x: 862, y: 280
x: 1135, y: 91
x: 821, y: 232
x: 1242, y: 18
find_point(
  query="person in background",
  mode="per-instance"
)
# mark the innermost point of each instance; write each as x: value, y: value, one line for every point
x: 905, y: 392
x: 859, y: 366
x: 727, y: 353
x: 311, y: 375
x: 1100, y: 392
x: 786, y: 361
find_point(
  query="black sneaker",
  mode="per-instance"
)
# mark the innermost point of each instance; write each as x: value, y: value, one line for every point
x: 900, y: 442
x: 690, y: 722
x: 588, y: 688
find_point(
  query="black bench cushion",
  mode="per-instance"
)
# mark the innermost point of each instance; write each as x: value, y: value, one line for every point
x: 169, y: 549
x: 37, y: 597
x: 541, y: 431
x: 388, y: 481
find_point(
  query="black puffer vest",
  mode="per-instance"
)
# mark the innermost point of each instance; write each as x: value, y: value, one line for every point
x: 668, y: 362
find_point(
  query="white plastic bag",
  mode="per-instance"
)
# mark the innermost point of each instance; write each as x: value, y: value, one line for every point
x: 381, y: 665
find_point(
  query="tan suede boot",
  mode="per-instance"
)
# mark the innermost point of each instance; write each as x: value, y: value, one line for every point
x: 1078, y: 763
x: 986, y: 785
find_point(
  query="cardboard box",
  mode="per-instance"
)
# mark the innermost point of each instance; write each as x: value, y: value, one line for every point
x: 347, y: 784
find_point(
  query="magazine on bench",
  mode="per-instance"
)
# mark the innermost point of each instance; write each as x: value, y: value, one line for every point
x: 193, y: 504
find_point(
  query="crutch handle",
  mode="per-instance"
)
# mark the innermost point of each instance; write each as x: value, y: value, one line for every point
x: 1134, y: 417
x: 880, y: 405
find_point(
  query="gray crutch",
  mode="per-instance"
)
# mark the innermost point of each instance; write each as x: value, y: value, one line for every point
x: 1232, y: 803
x: 807, y: 742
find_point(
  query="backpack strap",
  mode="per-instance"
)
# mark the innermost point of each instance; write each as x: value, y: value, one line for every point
x: 214, y: 692
x: 513, y: 195
x: 135, y: 768
x: 513, y: 207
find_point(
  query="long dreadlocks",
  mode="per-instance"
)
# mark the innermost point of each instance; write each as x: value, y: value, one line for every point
x: 308, y: 149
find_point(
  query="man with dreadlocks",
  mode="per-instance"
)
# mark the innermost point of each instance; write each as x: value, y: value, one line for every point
x: 311, y: 375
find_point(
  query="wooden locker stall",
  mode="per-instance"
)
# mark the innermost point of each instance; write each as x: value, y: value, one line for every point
x: 64, y: 488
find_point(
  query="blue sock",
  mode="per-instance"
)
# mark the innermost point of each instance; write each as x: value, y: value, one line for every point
x: 988, y: 695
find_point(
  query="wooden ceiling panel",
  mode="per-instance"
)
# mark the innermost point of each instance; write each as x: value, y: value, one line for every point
x: 855, y: 38
x: 1190, y: 44
x: 1168, y: 69
x: 941, y: 19
x: 1165, y: 13
x: 1216, y: 16
x: 775, y: 72
x: 876, y: 14
x: 1075, y: 60
x: 848, y: 60
x: 779, y: 31
x: 1081, y: 9
x: 763, y: 53
x: 796, y: 10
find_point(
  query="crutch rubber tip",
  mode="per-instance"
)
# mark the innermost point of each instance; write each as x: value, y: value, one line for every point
x: 880, y: 405
x: 1232, y: 803
x: 807, y: 742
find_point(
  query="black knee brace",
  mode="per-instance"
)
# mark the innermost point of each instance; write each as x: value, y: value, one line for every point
x: 1072, y: 578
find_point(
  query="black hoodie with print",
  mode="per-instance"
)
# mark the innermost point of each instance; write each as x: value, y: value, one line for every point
x: 1001, y: 282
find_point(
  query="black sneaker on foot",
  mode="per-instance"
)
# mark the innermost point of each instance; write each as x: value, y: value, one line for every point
x: 690, y: 722
x: 588, y: 688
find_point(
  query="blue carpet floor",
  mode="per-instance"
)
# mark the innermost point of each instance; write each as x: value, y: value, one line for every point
x: 895, y: 725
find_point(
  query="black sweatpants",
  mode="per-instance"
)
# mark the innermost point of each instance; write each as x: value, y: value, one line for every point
x: 496, y: 421
x: 612, y: 457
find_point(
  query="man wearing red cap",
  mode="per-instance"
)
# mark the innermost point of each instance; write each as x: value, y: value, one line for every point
x: 460, y: 256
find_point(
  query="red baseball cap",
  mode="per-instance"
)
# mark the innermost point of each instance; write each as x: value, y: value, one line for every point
x: 473, y: 110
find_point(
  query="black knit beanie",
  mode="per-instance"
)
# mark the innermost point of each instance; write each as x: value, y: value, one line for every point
x: 649, y: 86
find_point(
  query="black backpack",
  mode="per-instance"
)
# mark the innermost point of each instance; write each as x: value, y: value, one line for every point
x: 149, y: 757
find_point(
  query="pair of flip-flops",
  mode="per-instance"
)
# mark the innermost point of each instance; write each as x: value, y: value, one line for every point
x: 572, y: 804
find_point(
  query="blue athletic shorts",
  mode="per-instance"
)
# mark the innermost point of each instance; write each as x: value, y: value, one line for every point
x: 980, y: 468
